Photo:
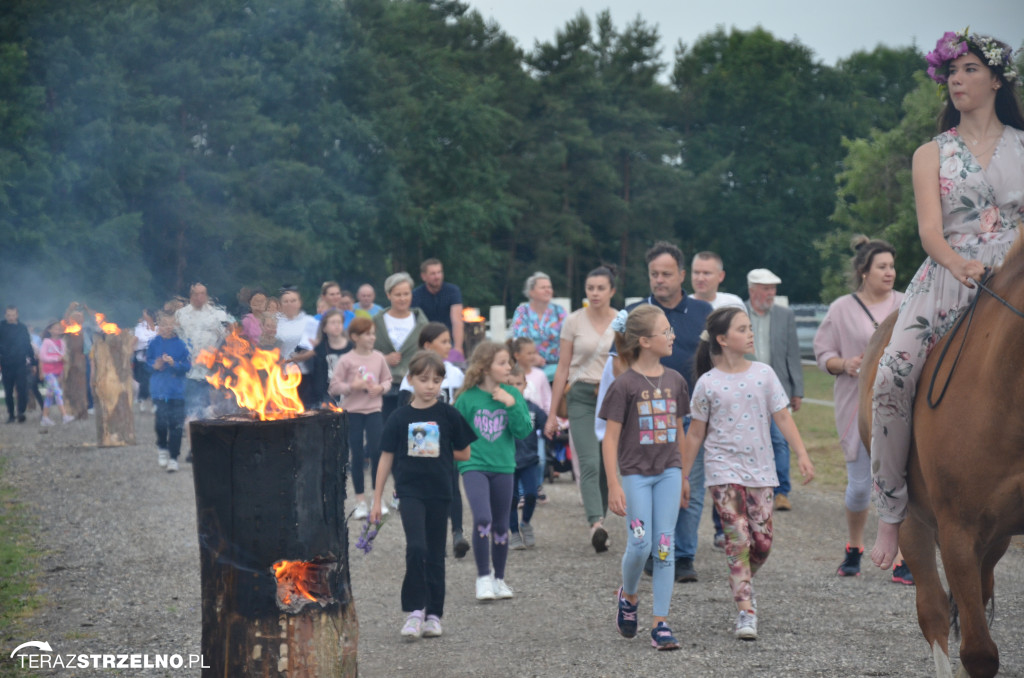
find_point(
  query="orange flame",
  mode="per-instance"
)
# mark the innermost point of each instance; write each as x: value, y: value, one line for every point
x: 471, y: 315
x: 70, y: 327
x: 108, y: 328
x: 256, y: 377
x: 294, y: 573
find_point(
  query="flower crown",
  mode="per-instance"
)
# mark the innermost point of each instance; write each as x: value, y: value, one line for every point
x: 953, y: 45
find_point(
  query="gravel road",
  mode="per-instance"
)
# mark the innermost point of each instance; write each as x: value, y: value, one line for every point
x: 119, y: 573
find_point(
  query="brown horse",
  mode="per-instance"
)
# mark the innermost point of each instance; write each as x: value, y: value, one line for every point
x: 965, y: 474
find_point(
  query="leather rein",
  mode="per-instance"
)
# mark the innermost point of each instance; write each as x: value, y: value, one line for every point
x: 969, y: 317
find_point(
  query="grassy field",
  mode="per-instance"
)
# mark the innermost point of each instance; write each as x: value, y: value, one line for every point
x: 818, y: 430
x: 17, y: 558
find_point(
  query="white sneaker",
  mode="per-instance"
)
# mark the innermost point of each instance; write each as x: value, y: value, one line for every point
x: 413, y: 627
x: 172, y: 465
x: 432, y: 627
x: 46, y: 421
x: 384, y: 510
x: 485, y: 588
x: 746, y: 625
x: 68, y: 419
x: 162, y: 457
x: 362, y: 510
x: 501, y: 589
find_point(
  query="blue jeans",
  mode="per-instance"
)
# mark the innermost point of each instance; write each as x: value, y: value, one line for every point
x: 528, y: 478
x: 781, y: 449
x: 689, y: 518
x: 652, y: 504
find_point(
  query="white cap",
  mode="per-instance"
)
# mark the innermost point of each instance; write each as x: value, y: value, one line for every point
x: 762, y: 276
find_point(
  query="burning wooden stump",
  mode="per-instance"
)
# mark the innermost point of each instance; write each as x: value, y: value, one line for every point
x: 76, y: 397
x: 112, y: 384
x: 273, y: 545
x: 270, y: 494
x: 474, y: 329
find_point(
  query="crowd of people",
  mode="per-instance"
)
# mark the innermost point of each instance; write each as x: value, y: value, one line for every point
x: 673, y: 396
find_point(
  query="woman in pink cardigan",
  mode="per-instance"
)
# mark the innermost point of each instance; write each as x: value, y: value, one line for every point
x: 839, y: 348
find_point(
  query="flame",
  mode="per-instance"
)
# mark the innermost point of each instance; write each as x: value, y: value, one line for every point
x: 295, y: 573
x: 471, y: 315
x: 108, y: 328
x: 70, y: 327
x: 256, y: 377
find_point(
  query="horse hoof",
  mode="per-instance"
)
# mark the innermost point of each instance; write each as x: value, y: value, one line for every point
x: 942, y: 667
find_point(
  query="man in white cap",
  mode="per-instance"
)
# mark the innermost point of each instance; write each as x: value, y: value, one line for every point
x: 775, y: 343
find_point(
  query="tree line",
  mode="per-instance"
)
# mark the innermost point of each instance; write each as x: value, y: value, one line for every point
x: 146, y: 144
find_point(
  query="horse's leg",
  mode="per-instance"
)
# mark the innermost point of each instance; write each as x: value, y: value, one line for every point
x: 962, y: 557
x: 988, y: 566
x: 917, y: 540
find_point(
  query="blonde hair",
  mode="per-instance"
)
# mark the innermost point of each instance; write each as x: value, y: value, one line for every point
x: 639, y: 323
x: 480, y: 364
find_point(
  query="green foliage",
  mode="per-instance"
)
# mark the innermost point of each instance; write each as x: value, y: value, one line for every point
x: 146, y: 144
x: 876, y: 196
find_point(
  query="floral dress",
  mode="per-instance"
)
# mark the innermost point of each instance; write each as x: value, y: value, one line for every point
x: 981, y: 212
x: 544, y: 329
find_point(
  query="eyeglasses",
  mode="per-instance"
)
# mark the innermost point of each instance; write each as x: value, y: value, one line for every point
x: 668, y: 334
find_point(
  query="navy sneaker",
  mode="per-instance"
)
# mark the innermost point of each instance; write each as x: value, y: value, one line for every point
x: 901, y: 574
x: 625, y: 618
x: 662, y: 638
x: 850, y: 567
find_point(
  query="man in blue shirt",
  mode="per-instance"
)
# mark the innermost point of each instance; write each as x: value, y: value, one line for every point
x: 666, y: 270
x: 441, y: 302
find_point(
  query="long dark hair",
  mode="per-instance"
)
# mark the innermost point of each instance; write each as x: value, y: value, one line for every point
x: 1007, y: 103
x: 717, y: 324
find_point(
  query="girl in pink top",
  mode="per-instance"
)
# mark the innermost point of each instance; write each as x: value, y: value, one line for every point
x: 362, y: 375
x: 51, y: 361
x: 734, y: 402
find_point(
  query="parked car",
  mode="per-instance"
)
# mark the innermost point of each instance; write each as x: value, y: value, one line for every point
x: 808, y: 319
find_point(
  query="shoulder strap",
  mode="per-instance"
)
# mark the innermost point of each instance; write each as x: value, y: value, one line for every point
x: 861, y: 303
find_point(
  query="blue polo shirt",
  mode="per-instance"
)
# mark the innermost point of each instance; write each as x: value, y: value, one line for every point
x: 437, y: 307
x: 687, y: 319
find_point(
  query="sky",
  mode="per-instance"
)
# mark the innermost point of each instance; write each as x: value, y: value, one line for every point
x: 833, y: 30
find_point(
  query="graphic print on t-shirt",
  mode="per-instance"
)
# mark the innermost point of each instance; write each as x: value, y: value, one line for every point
x: 490, y: 424
x: 424, y: 439
x: 656, y: 418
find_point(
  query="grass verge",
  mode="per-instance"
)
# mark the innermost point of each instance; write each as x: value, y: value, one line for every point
x: 17, y: 571
x: 817, y: 426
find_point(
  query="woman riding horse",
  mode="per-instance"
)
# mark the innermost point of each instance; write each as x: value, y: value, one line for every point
x: 969, y: 192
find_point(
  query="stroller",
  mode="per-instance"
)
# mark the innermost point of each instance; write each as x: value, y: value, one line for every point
x: 558, y: 456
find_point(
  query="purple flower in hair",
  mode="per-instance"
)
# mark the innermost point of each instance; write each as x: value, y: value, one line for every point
x: 950, y: 46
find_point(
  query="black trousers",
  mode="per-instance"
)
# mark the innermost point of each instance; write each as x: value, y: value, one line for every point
x: 16, y: 382
x: 170, y: 423
x: 426, y: 531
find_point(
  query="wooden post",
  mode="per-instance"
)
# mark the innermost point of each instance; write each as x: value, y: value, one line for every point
x: 112, y: 388
x: 76, y: 398
x: 266, y: 492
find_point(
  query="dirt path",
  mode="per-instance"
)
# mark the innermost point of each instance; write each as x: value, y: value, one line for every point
x: 120, y: 574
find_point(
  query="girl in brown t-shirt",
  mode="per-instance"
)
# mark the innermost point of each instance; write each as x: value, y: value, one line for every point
x: 644, y: 410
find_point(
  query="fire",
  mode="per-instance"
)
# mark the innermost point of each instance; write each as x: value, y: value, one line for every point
x: 471, y: 315
x: 256, y: 377
x: 107, y: 328
x: 294, y: 575
x: 70, y: 327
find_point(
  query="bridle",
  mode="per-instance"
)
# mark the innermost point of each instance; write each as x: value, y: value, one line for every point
x: 969, y: 317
